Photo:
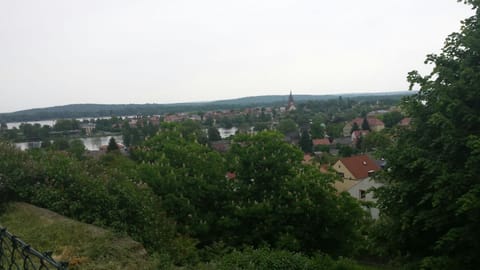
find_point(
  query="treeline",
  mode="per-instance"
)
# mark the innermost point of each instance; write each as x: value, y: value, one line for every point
x: 187, y: 202
x: 102, y: 110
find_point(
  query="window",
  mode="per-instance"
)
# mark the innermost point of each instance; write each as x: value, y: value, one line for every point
x: 362, y: 194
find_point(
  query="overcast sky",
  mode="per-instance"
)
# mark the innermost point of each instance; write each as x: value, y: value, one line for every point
x: 56, y: 52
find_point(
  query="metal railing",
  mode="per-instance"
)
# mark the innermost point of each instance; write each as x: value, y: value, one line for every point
x: 16, y: 255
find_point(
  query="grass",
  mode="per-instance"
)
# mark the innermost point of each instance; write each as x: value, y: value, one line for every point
x: 83, y: 246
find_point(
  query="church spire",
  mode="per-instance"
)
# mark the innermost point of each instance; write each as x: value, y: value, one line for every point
x: 291, y: 103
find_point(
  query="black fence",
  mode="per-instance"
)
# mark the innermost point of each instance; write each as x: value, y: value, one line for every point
x: 16, y: 255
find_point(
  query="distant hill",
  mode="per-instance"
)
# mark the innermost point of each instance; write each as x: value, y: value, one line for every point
x: 99, y: 110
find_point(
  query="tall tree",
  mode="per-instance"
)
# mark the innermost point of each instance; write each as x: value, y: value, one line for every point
x: 317, y: 128
x: 287, y: 126
x: 306, y: 142
x: 283, y: 203
x: 392, y: 118
x: 431, y: 203
x: 354, y: 127
x: 213, y: 134
x: 190, y: 179
x: 112, y: 145
x: 365, y: 124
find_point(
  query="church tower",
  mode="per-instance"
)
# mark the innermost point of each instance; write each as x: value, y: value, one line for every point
x: 291, y: 103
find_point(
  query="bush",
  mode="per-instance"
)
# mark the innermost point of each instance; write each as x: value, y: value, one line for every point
x: 256, y: 259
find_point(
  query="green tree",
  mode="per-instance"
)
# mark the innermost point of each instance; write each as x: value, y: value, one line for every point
x: 375, y: 140
x: 317, y: 128
x: 46, y: 144
x: 346, y: 151
x: 77, y: 149
x: 306, y: 143
x: 354, y: 127
x: 213, y: 134
x: 390, y: 119
x: 66, y: 124
x: 431, y: 202
x: 335, y: 130
x: 112, y: 145
x: 103, y: 193
x: 283, y: 203
x: 60, y: 144
x: 261, y: 126
x: 190, y: 179
x: 287, y: 126
x: 365, y: 125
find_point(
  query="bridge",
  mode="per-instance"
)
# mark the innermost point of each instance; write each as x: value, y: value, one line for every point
x: 18, y: 255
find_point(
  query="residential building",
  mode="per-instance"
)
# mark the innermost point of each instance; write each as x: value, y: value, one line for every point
x: 375, y: 124
x: 356, y: 172
x: 356, y: 167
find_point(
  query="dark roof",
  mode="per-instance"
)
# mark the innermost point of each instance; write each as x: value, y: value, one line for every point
x: 360, y: 165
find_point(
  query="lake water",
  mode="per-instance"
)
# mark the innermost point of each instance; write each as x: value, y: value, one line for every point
x: 94, y: 143
x: 227, y: 132
x: 91, y: 143
x: 52, y: 122
x: 42, y: 123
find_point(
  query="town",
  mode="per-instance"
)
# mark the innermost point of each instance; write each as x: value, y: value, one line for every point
x: 243, y: 135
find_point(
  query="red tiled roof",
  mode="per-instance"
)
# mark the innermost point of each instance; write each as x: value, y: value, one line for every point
x: 307, y: 158
x: 230, y: 175
x: 324, y: 141
x: 324, y: 168
x: 405, y: 121
x: 360, y: 165
x: 357, y: 120
x: 372, y: 121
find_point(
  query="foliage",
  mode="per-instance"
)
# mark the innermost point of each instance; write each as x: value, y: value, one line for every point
x: 264, y: 258
x: 60, y: 144
x: 306, y: 143
x: 188, y: 176
x: 11, y: 169
x: 34, y: 132
x: 76, y: 148
x: 112, y: 145
x: 66, y: 124
x: 89, y: 192
x: 431, y: 202
x: 213, y: 134
x: 287, y: 126
x: 285, y: 204
x: 317, y: 128
x: 375, y: 141
x: 354, y: 127
x: 172, y: 194
x: 390, y: 119
x: 335, y: 130
x: 346, y: 151
x: 365, y: 125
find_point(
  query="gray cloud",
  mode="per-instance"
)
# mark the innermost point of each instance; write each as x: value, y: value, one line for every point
x: 56, y: 52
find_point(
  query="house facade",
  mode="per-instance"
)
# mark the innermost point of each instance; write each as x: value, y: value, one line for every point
x: 362, y: 191
x: 356, y: 172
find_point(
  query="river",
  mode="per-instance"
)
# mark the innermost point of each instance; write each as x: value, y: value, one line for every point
x: 51, y: 123
x: 91, y: 143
